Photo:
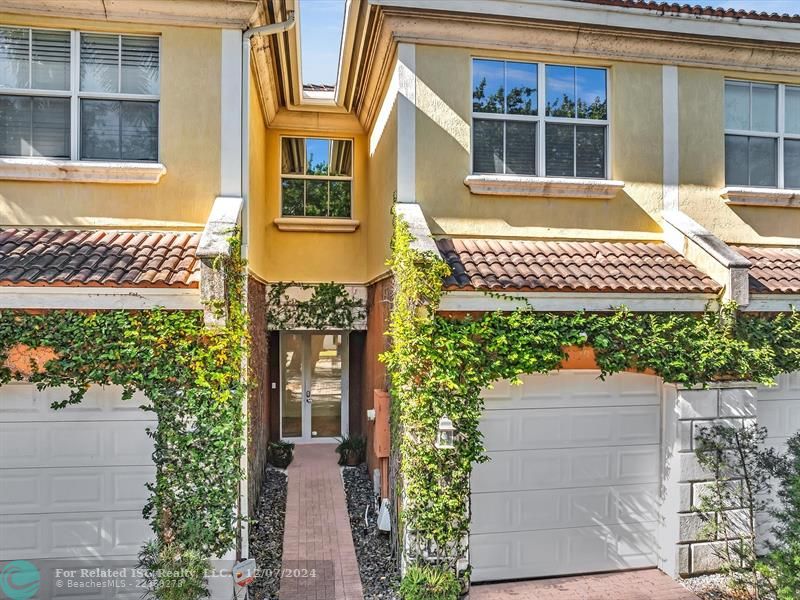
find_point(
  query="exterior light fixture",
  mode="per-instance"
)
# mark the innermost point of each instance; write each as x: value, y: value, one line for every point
x: 446, y: 436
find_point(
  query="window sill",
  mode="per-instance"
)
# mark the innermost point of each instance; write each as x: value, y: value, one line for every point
x: 321, y: 225
x: 42, y: 169
x: 544, y: 187
x: 757, y: 196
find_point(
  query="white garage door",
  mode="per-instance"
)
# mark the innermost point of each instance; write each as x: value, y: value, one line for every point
x: 779, y: 409
x: 574, y: 476
x: 72, y: 481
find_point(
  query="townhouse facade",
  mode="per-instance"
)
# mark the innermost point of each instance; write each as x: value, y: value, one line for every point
x: 569, y: 155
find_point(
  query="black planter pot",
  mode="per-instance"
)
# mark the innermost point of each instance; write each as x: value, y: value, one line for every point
x: 280, y: 456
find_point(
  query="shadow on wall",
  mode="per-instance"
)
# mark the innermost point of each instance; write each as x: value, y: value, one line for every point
x: 770, y: 222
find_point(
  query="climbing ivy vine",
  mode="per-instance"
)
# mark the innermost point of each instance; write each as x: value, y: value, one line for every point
x: 191, y: 375
x: 439, y: 366
x: 330, y: 306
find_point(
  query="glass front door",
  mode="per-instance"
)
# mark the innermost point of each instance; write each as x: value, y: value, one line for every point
x: 314, y: 386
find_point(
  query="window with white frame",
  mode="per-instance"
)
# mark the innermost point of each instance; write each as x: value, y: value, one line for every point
x: 534, y: 119
x: 80, y: 96
x: 316, y: 177
x: 762, y: 134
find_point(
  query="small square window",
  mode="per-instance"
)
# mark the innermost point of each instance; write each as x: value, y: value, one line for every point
x: 316, y: 177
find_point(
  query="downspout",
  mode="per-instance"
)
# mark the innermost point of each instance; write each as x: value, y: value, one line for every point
x: 247, y: 35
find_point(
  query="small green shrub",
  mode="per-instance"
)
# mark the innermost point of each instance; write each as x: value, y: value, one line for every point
x: 429, y: 583
x: 352, y: 450
x: 173, y: 574
x: 785, y: 556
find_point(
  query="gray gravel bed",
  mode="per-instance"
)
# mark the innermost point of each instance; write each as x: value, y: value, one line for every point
x: 266, y: 535
x: 710, y: 587
x: 377, y: 566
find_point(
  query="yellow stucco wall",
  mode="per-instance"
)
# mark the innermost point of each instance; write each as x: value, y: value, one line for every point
x: 382, y: 188
x: 189, y: 141
x: 702, y: 164
x: 444, y: 102
x: 306, y: 256
x: 258, y: 259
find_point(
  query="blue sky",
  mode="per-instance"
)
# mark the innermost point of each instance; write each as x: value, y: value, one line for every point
x: 321, y: 31
x: 320, y: 36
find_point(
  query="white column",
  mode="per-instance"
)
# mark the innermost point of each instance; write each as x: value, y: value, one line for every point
x: 669, y: 89
x: 230, y: 144
x: 406, y: 122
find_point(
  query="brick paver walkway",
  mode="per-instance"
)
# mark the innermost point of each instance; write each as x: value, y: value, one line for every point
x: 649, y: 584
x: 317, y: 533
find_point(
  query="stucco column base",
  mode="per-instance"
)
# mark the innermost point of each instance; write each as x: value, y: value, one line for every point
x: 683, y: 548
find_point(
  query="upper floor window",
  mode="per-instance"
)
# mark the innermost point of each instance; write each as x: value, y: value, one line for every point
x: 534, y: 119
x: 74, y: 95
x: 762, y: 135
x: 316, y: 177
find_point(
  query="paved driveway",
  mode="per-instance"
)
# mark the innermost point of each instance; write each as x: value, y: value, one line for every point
x: 649, y: 584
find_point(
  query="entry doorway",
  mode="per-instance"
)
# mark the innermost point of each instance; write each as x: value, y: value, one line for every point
x: 314, y: 386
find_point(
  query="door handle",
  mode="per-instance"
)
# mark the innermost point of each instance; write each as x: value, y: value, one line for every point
x: 308, y: 396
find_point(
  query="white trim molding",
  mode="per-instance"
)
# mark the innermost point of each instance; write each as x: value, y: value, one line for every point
x: 321, y: 225
x: 469, y: 301
x: 773, y: 302
x: 709, y: 254
x: 757, y: 196
x: 543, y: 187
x: 80, y: 171
x: 98, y: 298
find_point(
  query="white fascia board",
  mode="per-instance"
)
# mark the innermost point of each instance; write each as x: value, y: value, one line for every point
x: 612, y: 16
x: 97, y: 298
x: 773, y: 303
x: 465, y: 301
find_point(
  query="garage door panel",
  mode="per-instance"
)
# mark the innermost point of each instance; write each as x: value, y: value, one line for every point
x: 73, y: 481
x: 780, y: 417
x: 562, y: 551
x: 566, y: 468
x: 570, y: 427
x: 89, y: 443
x: 71, y: 535
x: 573, y: 389
x: 51, y: 490
x: 573, y: 480
x: 499, y: 512
x: 23, y: 402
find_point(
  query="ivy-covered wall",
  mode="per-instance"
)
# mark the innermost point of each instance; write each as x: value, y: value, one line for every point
x: 439, y: 366
x: 192, y: 375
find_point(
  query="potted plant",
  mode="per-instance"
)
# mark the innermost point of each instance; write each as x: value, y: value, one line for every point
x: 352, y: 450
x: 280, y: 454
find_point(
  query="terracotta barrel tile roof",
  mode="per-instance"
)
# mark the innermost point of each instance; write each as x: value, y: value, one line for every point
x: 98, y: 258
x: 696, y: 10
x: 549, y: 266
x: 774, y: 270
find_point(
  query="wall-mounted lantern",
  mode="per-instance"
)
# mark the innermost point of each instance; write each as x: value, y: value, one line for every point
x: 446, y: 436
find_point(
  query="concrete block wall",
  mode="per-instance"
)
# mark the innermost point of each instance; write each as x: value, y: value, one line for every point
x: 685, y: 548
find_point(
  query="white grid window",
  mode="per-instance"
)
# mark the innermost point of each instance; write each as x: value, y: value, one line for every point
x: 72, y: 95
x: 316, y: 177
x: 536, y: 119
x: 762, y: 135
